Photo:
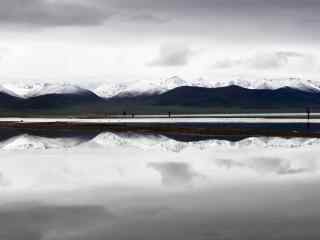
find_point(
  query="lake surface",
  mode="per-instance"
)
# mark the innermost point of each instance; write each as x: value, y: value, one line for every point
x: 62, y: 185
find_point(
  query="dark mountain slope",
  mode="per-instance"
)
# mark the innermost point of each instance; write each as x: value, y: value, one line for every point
x: 234, y: 96
x: 52, y: 101
x: 8, y: 101
x: 179, y: 100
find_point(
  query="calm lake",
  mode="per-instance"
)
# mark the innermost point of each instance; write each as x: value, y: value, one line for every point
x: 102, y: 185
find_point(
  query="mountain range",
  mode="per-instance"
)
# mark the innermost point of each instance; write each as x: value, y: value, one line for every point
x: 173, y: 94
x: 130, y: 88
x: 147, y: 87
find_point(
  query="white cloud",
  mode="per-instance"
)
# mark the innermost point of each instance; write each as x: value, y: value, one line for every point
x: 3, y: 52
x: 267, y: 61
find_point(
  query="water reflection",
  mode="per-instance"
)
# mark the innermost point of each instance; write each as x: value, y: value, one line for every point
x: 274, y: 165
x: 37, y: 221
x: 102, y: 185
x: 23, y: 140
x: 174, y: 173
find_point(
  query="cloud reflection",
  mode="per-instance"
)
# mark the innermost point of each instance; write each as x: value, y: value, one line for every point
x: 174, y: 173
x: 3, y: 181
x: 266, y: 165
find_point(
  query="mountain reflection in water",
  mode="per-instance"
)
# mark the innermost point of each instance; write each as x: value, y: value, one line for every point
x: 101, y: 185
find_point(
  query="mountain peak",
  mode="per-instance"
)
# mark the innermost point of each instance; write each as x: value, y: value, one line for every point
x: 172, y: 82
x: 38, y: 89
x: 7, y: 91
x: 175, y: 79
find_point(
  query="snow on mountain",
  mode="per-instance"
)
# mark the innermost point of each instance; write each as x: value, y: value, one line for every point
x: 134, y: 88
x: 151, y: 142
x: 140, y: 87
x: 297, y: 83
x: 29, y: 142
x: 163, y: 143
x: 138, y: 141
x: 131, y: 88
x: 172, y: 83
x: 118, y: 89
x: 38, y: 89
x: 7, y: 91
x: 272, y: 84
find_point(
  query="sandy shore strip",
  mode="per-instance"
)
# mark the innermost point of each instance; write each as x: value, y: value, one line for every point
x: 186, y: 126
x: 171, y: 120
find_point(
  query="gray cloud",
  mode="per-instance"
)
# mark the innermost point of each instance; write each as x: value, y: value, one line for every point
x: 212, y: 25
x: 227, y: 20
x: 228, y: 163
x: 190, y: 5
x: 174, y: 173
x: 267, y: 165
x: 51, y: 13
x: 3, y: 181
x: 261, y: 20
x: 271, y: 60
x: 147, y: 17
x: 172, y: 56
x: 40, y: 222
x: 276, y: 165
x: 94, y: 10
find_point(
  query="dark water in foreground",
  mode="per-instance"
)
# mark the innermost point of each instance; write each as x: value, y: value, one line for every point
x: 93, y: 185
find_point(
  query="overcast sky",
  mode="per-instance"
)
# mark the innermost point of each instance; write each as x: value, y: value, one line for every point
x: 86, y: 41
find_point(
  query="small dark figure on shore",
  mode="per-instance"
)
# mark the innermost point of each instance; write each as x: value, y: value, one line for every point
x: 169, y: 114
x: 308, y: 112
x: 124, y: 113
x: 132, y: 115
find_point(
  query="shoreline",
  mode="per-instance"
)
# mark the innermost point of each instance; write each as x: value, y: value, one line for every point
x: 191, y: 128
x: 274, y: 115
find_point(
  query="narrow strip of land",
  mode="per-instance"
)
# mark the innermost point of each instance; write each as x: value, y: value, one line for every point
x: 167, y: 120
x: 191, y: 126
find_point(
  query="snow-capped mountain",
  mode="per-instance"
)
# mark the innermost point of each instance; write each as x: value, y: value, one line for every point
x: 30, y: 142
x: 7, y: 91
x: 134, y: 88
x: 272, y: 84
x: 145, y: 87
x: 120, y: 89
x: 39, y: 89
x: 265, y: 83
x: 151, y: 142
x: 163, y: 143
